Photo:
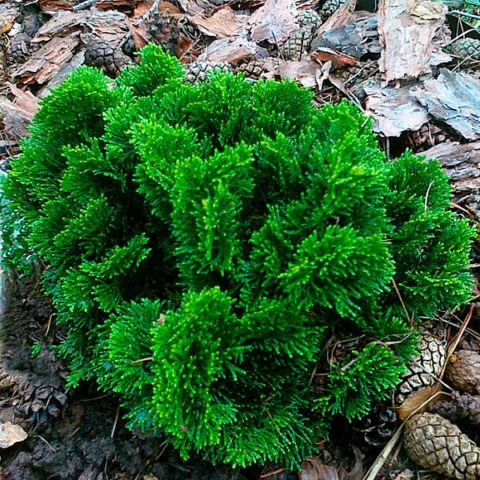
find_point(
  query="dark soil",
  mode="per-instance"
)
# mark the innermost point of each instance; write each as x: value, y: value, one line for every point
x: 72, y: 434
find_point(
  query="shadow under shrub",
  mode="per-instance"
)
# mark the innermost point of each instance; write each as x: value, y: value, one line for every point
x: 203, y: 241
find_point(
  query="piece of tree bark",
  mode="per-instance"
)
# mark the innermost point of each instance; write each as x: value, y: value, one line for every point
x: 395, y: 110
x: 407, y: 29
x: 453, y: 98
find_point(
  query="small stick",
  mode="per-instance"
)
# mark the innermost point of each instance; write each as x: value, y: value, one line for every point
x: 115, y: 422
x: 401, y: 300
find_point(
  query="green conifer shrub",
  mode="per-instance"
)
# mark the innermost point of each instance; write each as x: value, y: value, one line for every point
x: 203, y: 242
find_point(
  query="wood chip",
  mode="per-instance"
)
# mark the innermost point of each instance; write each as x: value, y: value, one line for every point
x: 394, y: 109
x: 11, y: 434
x: 453, y: 98
x: 46, y: 62
x: 407, y: 29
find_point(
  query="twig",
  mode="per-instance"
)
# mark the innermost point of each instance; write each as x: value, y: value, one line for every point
x: 46, y: 442
x: 385, y: 453
x: 401, y: 300
x: 141, y: 360
x: 115, y: 422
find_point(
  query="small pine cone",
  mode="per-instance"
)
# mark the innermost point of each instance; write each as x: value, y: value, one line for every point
x: 357, y: 73
x: 463, y: 371
x: 110, y: 59
x: 459, y: 407
x: 376, y: 429
x: 310, y: 19
x: 199, y: 71
x: 424, y: 368
x: 297, y: 45
x: 254, y: 69
x: 329, y: 7
x: 438, y: 445
x: 466, y: 48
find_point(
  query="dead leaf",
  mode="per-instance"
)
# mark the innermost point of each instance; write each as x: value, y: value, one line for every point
x: 342, y: 16
x: 223, y: 23
x: 338, y: 59
x: 11, y: 434
x: 274, y: 22
x: 405, y: 475
x: 304, y: 71
x: 228, y: 51
x: 314, y: 469
x: 358, y: 470
x: 418, y: 401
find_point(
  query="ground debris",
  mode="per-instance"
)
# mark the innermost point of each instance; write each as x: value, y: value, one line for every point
x: 407, y: 29
x: 453, y: 98
x: 11, y: 434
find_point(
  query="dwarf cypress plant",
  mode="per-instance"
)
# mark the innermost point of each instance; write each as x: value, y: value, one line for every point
x: 203, y: 242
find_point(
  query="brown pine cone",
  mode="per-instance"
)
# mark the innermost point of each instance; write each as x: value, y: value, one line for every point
x: 199, y: 71
x: 459, y: 407
x: 110, y: 59
x: 463, y: 371
x: 438, y: 445
x: 424, y: 368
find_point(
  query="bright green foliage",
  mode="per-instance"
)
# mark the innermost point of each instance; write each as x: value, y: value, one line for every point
x: 204, y: 241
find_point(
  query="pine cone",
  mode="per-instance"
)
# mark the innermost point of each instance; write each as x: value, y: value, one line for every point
x: 463, y: 371
x: 329, y: 7
x: 459, y: 407
x: 254, y: 69
x: 309, y: 18
x: 198, y: 71
x: 424, y: 369
x: 101, y: 54
x: 357, y: 73
x: 297, y: 45
x: 438, y: 445
x: 466, y: 48
x: 376, y: 429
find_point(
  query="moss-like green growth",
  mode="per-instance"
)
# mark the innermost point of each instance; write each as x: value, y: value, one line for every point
x: 202, y: 243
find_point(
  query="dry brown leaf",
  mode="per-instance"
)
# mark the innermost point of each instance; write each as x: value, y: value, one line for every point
x: 419, y: 401
x: 405, y: 475
x: 228, y: 51
x: 109, y: 4
x: 274, y: 22
x: 11, y: 434
x: 358, y: 470
x: 314, y: 469
x: 304, y: 72
x: 338, y: 59
x: 223, y: 23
